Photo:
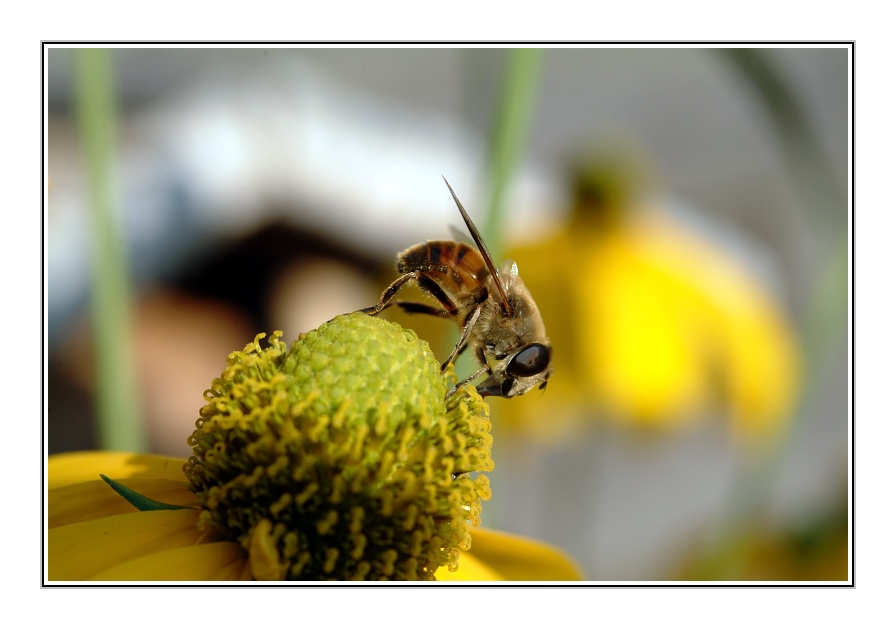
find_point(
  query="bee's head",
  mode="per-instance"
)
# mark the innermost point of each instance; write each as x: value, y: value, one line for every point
x: 528, y: 367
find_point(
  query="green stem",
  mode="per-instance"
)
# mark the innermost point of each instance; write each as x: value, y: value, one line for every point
x: 511, y: 128
x: 118, y: 423
x: 510, y: 131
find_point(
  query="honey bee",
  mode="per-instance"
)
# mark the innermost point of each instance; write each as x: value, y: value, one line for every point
x: 496, y: 314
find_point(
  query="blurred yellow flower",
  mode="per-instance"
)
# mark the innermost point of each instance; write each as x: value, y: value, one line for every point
x: 652, y: 325
x: 95, y: 534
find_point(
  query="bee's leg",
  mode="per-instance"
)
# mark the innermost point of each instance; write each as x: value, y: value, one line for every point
x: 464, y: 337
x: 427, y: 285
x: 469, y: 378
x: 389, y: 294
x: 480, y: 356
x: 415, y: 307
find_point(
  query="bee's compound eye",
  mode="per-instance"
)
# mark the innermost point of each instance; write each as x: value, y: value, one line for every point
x: 529, y: 361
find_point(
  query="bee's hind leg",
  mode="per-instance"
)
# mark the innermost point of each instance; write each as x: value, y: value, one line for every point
x: 415, y: 307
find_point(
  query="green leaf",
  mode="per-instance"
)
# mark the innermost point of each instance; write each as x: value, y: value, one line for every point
x: 138, y: 500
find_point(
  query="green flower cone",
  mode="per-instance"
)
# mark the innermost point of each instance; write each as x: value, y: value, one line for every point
x: 339, y: 458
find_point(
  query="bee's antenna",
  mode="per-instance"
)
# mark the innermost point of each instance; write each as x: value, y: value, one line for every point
x: 477, y: 238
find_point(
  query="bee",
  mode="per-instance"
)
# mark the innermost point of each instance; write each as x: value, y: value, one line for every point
x: 497, y: 316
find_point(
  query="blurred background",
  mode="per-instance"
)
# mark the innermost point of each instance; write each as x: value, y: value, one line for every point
x: 679, y: 214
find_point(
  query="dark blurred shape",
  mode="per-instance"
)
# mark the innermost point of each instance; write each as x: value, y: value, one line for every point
x: 813, y: 173
x: 606, y: 184
x: 186, y: 325
x: 70, y: 412
x: 243, y: 271
x: 815, y: 550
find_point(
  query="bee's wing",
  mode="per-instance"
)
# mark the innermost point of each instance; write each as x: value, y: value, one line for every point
x: 477, y: 238
x: 459, y: 235
x: 509, y: 272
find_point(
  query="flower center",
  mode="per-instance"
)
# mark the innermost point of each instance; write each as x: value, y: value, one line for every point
x: 340, y: 459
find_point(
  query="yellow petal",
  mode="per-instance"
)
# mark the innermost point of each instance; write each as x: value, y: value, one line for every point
x: 496, y: 555
x: 753, y: 355
x: 219, y: 561
x: 471, y: 568
x: 77, y: 467
x: 96, y: 499
x: 764, y: 368
x: 82, y: 550
x: 646, y: 363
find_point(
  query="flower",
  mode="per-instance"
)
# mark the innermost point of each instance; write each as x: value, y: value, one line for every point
x: 652, y: 325
x: 337, y: 459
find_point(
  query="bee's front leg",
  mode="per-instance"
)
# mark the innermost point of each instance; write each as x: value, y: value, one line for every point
x: 469, y: 378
